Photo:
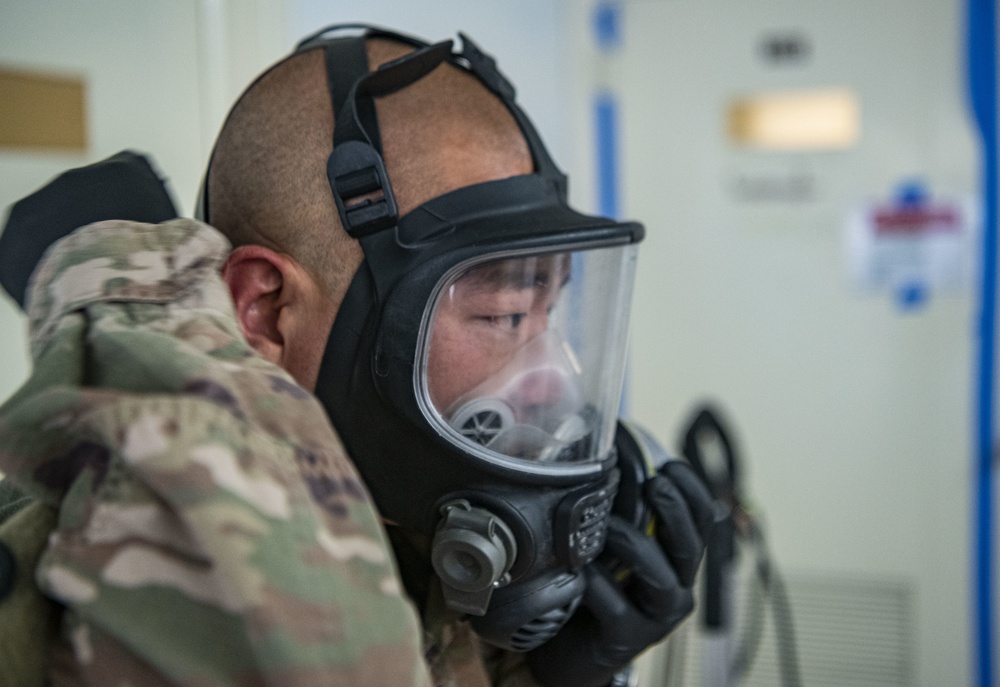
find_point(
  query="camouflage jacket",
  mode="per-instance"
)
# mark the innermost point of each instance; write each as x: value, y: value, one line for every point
x: 210, y: 530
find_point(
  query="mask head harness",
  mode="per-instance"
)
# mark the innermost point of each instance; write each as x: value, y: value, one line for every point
x: 495, y: 458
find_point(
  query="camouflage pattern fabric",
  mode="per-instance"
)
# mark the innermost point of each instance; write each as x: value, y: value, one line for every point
x: 28, y: 621
x: 210, y: 529
x: 459, y: 659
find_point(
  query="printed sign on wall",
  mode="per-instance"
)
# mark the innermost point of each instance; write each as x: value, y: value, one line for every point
x: 912, y: 245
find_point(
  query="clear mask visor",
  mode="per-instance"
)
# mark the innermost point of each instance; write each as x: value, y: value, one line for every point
x: 523, y: 357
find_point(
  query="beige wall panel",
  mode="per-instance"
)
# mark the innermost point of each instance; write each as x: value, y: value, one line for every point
x: 42, y: 111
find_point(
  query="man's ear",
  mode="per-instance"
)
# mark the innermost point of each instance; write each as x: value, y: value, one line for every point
x: 256, y: 279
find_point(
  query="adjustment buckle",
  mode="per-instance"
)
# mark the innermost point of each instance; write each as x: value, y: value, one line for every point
x: 361, y: 189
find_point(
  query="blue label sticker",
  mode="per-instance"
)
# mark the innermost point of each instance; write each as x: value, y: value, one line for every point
x: 912, y: 296
x: 912, y: 193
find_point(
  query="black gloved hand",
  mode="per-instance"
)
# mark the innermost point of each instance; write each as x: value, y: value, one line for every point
x: 637, y: 591
x: 684, y: 513
x: 123, y: 186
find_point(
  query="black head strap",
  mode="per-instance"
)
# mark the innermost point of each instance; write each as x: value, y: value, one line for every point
x: 346, y: 63
x: 357, y: 175
x: 356, y: 170
x: 345, y: 60
x: 387, y: 79
x: 485, y: 68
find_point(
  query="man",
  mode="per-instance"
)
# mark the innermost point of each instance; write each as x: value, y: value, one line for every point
x: 430, y: 302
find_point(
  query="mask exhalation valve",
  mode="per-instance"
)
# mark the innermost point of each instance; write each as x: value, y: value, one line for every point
x: 472, y: 552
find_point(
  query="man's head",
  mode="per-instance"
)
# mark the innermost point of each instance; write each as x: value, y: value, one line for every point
x: 268, y: 189
x: 468, y: 344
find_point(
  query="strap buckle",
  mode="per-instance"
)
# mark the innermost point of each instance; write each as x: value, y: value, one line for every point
x: 361, y: 189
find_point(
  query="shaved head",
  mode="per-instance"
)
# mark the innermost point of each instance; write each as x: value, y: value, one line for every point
x: 268, y: 186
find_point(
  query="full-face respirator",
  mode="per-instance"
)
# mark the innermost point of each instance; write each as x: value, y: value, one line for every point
x: 474, y: 369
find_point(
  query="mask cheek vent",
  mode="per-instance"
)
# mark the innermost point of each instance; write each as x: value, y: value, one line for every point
x: 522, y: 617
x: 533, y: 634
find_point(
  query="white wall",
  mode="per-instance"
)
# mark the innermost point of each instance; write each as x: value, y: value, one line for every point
x: 141, y: 90
x: 159, y: 77
x: 854, y: 416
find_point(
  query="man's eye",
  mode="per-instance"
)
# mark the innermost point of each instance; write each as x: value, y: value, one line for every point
x: 511, y: 321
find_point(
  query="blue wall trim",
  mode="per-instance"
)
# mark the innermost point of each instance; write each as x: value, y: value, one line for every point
x: 606, y: 132
x: 607, y: 18
x: 982, y: 68
x: 606, y: 123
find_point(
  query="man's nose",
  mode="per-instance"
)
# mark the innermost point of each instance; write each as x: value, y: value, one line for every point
x: 546, y: 379
x: 536, y: 323
x: 545, y: 385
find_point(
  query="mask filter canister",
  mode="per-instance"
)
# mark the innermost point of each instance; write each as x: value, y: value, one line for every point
x: 472, y: 552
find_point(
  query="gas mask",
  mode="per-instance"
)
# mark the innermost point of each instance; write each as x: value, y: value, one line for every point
x: 474, y: 369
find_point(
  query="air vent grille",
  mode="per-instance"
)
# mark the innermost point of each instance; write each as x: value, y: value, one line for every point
x: 850, y: 631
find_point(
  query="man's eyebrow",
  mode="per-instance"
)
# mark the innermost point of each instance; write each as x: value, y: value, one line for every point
x: 499, y: 276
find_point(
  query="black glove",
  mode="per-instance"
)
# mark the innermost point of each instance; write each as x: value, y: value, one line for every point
x: 684, y: 514
x: 637, y: 591
x: 123, y: 186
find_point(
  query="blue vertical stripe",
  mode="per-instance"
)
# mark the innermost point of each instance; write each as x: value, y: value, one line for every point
x: 606, y: 124
x: 607, y: 18
x: 982, y: 68
x: 606, y: 131
x: 608, y: 38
